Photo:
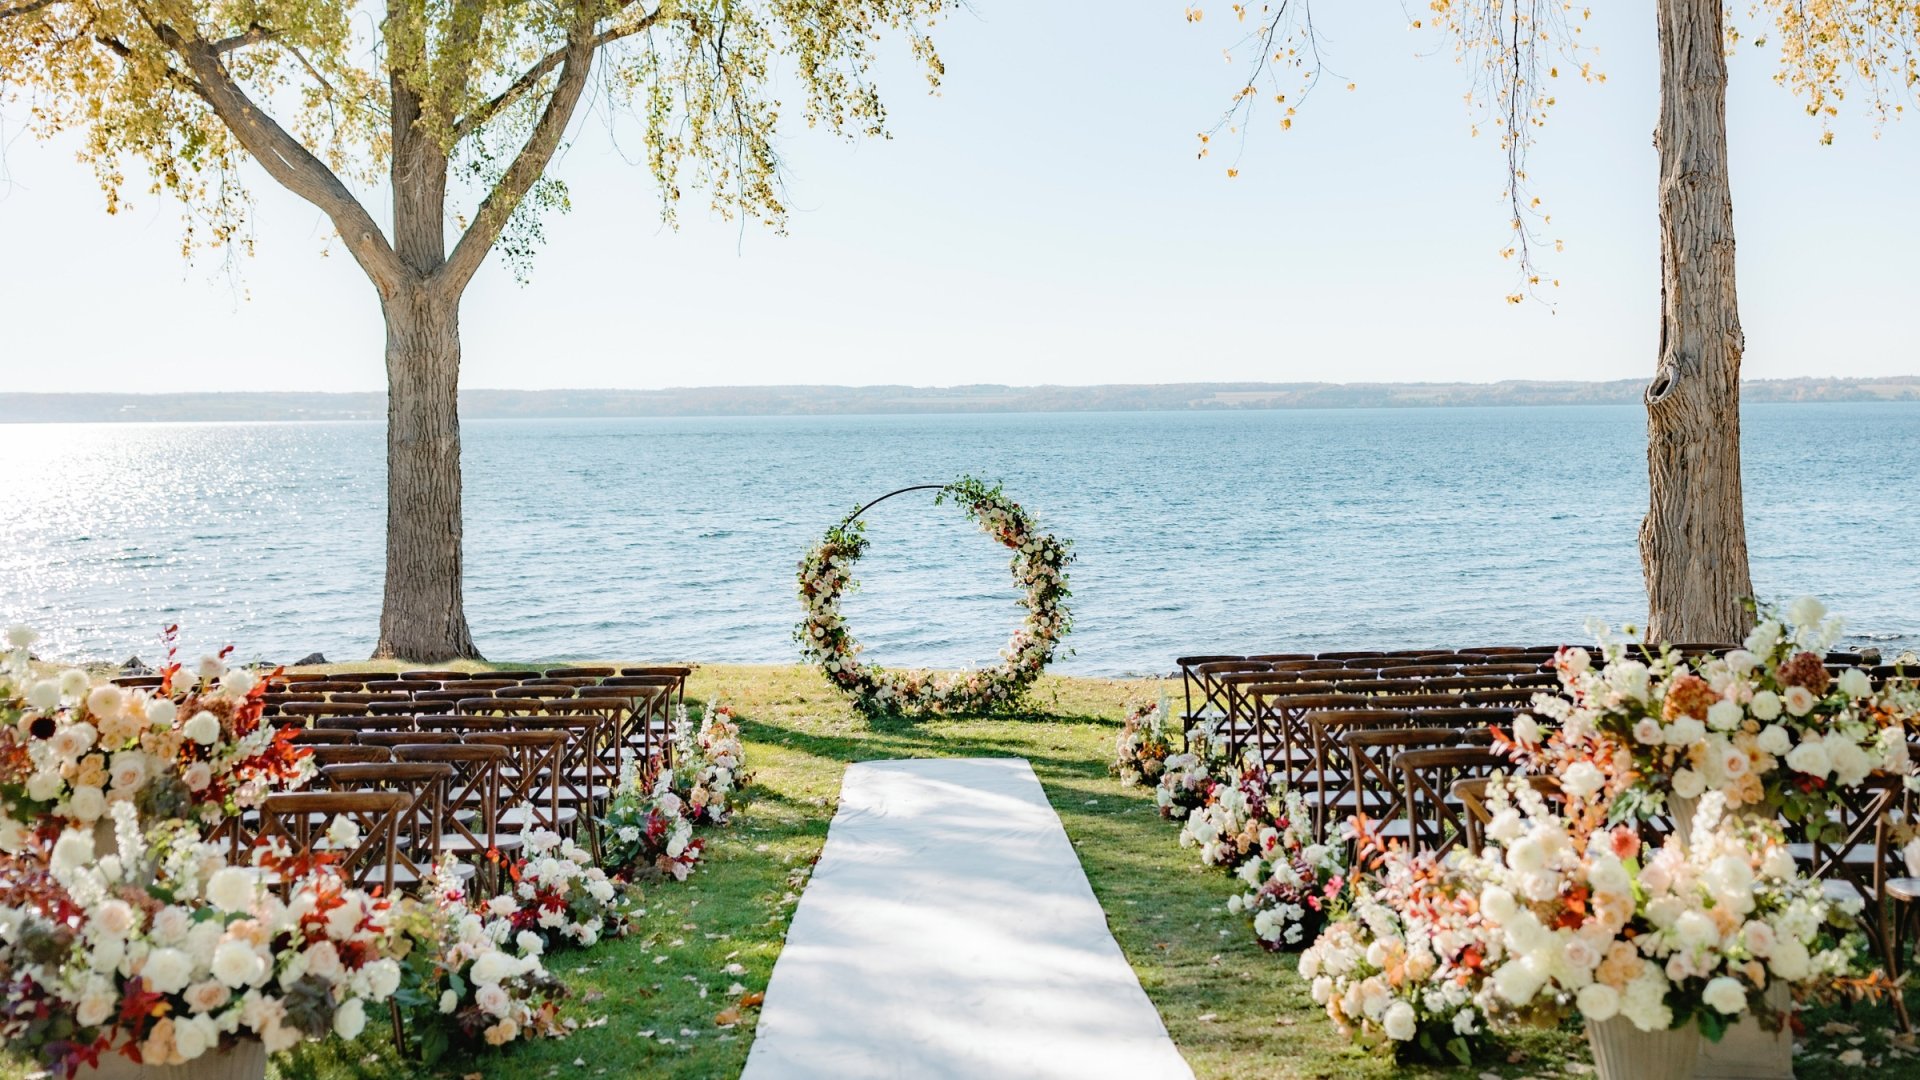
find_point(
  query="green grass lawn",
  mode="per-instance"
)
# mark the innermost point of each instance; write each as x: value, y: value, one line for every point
x: 647, y: 1005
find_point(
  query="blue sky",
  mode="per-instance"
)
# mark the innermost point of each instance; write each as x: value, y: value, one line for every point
x: 1044, y: 219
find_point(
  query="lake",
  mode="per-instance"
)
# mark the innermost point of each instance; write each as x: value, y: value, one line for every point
x: 1195, y: 531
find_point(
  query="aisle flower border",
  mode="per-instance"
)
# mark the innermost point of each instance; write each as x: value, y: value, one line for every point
x: 1038, y: 565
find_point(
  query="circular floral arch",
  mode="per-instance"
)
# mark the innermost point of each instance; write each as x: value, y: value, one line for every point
x: 1038, y: 565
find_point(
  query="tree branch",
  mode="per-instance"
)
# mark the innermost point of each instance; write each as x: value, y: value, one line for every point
x: 545, y: 66
x: 284, y: 157
x: 501, y: 203
x: 25, y: 7
x: 254, y: 35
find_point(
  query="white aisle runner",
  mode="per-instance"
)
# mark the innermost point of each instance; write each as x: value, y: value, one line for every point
x: 948, y: 932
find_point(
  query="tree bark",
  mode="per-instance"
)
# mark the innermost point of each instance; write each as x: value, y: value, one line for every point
x: 423, y: 617
x: 1693, y: 543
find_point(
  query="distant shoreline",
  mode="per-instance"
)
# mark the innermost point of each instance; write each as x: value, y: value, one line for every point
x: 483, y: 404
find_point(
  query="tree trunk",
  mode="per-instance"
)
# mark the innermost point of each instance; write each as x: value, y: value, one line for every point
x: 423, y: 616
x: 1693, y: 543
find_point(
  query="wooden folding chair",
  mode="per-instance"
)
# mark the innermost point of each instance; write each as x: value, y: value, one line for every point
x: 1472, y: 796
x: 1377, y: 790
x: 473, y: 803
x: 1333, y: 783
x: 1434, y: 817
x: 301, y: 820
x: 420, y: 825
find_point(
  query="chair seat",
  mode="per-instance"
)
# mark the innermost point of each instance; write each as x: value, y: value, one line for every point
x: 1904, y: 889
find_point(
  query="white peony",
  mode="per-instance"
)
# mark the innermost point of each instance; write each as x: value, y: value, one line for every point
x: 1741, y: 662
x: 44, y: 696
x: 1765, y: 705
x: 106, y: 700
x: 1724, y: 716
x: 1685, y: 731
x: 113, y: 917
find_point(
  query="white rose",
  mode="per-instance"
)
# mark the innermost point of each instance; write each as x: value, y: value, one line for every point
x: 162, y: 712
x: 167, y: 971
x: 1526, y: 729
x: 204, y: 728
x: 1850, y: 763
x: 231, y: 889
x: 1688, y: 784
x: 1775, y: 740
x: 1598, y: 1002
x: 1759, y: 938
x: 1789, y: 960
x: 1648, y: 732
x: 191, y: 1038
x: 1582, y: 779
x: 1724, y: 716
x: 449, y: 1001
x: 1765, y: 705
x: 128, y: 770
x: 74, y: 683
x: 44, y: 696
x: 350, y: 1019
x: 97, y: 1006
x: 106, y: 701
x: 1810, y: 757
x: 1685, y: 732
x: 86, y: 803
x: 1854, y: 683
x: 1724, y: 995
x: 1799, y: 700
x: 236, y: 964
x: 113, y: 917
x: 1398, y: 1021
x: 1696, y: 930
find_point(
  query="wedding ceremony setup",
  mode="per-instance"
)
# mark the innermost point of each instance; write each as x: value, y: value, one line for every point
x: 959, y: 540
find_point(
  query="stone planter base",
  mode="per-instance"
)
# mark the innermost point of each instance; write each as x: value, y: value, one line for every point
x: 247, y: 1061
x: 1624, y: 1052
x: 1748, y: 1051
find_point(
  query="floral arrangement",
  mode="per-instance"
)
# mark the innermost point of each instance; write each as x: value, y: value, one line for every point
x: 559, y: 894
x: 161, y: 951
x: 467, y: 976
x: 1187, y: 779
x: 1292, y: 881
x: 1693, y: 931
x: 647, y: 830
x: 1230, y: 826
x: 1767, y: 726
x: 1143, y: 746
x: 193, y: 748
x: 709, y: 764
x: 1039, y: 567
x: 1405, y: 965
